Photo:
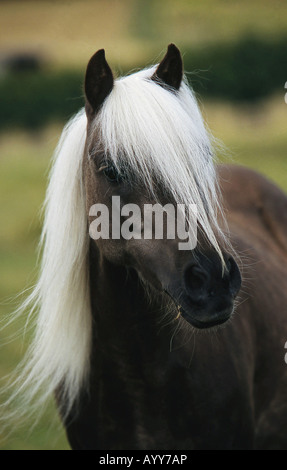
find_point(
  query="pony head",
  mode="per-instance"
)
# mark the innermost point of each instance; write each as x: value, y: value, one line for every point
x: 146, y: 148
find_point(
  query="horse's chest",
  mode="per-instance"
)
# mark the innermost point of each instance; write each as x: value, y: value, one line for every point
x: 176, y: 411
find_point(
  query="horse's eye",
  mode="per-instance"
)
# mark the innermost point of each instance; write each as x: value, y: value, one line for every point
x: 112, y: 174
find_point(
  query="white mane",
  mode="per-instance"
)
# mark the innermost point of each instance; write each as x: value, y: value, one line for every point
x: 154, y: 128
x: 59, y: 354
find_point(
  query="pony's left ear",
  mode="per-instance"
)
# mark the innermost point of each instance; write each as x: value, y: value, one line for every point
x: 99, y: 82
x: 170, y: 70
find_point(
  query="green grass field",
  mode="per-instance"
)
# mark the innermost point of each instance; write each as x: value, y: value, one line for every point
x: 254, y: 135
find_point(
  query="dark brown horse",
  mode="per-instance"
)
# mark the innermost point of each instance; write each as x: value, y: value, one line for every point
x: 128, y: 333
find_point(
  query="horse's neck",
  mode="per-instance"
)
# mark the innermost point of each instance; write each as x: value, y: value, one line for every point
x: 127, y: 322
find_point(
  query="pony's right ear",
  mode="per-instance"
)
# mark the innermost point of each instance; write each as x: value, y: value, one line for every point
x: 99, y: 82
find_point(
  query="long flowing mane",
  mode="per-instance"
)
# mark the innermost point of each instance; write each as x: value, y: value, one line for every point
x: 145, y: 127
x: 59, y: 354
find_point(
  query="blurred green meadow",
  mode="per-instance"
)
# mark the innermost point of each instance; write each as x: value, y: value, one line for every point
x: 134, y: 33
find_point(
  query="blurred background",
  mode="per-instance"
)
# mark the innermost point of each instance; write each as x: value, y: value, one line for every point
x: 236, y: 56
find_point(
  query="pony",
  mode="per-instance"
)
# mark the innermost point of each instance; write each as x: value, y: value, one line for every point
x: 144, y: 345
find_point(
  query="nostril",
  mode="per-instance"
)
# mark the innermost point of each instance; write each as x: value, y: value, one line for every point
x: 211, y: 293
x: 195, y: 276
x: 196, y: 282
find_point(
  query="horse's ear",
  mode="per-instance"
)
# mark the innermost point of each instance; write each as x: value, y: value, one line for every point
x: 98, y: 82
x: 170, y: 70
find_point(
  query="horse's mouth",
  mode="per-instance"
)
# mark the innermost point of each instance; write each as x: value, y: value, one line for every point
x: 202, y: 317
x: 217, y: 319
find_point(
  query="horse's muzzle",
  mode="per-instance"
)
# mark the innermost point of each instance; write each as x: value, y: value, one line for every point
x: 206, y: 293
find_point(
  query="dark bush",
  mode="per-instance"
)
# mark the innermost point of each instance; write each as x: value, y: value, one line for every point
x: 249, y: 69
x: 33, y: 99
